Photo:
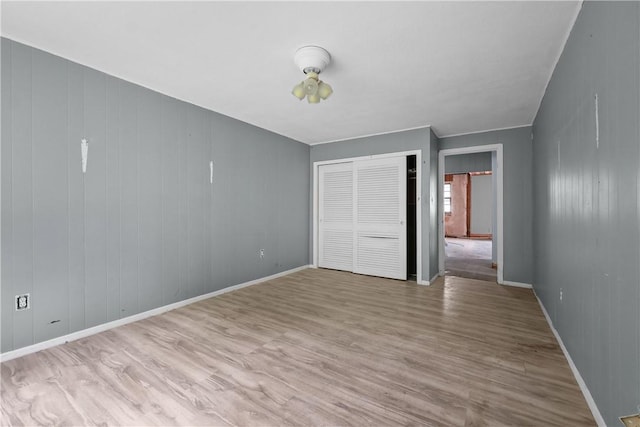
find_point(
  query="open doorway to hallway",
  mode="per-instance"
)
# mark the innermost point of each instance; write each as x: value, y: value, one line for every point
x: 471, y: 212
x: 468, y: 213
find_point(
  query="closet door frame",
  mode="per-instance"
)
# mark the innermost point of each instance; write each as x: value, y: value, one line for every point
x: 315, y: 207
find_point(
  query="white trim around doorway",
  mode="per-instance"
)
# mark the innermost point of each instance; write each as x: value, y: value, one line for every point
x: 418, y: 154
x: 497, y: 148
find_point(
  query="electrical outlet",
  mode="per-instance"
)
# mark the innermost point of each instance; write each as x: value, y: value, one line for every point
x: 261, y: 253
x: 23, y: 302
x: 560, y: 294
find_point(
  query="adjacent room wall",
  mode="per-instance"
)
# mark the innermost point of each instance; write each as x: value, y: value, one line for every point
x: 518, y: 248
x: 418, y: 139
x: 481, y: 207
x: 472, y: 162
x: 143, y: 227
x: 586, y: 203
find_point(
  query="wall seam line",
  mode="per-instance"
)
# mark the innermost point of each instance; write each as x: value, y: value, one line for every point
x: 106, y: 204
x: 84, y: 210
x: 33, y: 333
x: 119, y: 207
x: 162, y: 257
x: 12, y: 199
x: 68, y: 203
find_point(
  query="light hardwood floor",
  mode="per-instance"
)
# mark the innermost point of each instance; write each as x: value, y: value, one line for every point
x: 316, y: 347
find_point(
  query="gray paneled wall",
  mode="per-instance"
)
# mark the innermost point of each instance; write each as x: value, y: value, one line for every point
x: 434, y: 250
x: 143, y: 227
x: 586, y: 201
x: 517, y: 216
x: 464, y: 163
x: 418, y: 139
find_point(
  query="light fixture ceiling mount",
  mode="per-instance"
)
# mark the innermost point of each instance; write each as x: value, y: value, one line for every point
x: 312, y: 60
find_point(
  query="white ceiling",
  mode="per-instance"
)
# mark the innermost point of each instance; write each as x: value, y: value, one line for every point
x: 460, y: 67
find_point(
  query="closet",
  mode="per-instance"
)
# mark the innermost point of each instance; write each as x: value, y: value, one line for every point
x: 362, y: 223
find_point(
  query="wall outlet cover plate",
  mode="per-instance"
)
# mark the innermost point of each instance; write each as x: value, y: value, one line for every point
x: 23, y: 302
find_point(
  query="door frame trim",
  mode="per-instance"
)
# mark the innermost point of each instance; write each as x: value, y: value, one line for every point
x: 497, y: 148
x: 315, y: 203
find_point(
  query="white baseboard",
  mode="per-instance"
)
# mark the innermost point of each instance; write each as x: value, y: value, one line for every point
x: 583, y: 386
x: 517, y: 284
x: 427, y: 282
x: 134, y: 318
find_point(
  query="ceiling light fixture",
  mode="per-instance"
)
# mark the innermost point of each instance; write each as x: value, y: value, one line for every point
x: 312, y: 60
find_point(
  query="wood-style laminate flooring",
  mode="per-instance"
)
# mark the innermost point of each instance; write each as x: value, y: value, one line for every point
x: 317, y: 347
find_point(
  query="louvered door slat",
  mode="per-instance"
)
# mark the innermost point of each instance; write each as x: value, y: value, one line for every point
x: 380, y: 226
x: 336, y: 216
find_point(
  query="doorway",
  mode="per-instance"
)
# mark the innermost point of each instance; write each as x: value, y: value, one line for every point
x: 472, y: 235
x: 468, y: 217
x: 411, y: 218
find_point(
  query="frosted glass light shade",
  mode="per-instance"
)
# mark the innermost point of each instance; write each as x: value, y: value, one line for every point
x: 324, y: 90
x: 310, y: 86
x: 313, y: 99
x: 298, y: 91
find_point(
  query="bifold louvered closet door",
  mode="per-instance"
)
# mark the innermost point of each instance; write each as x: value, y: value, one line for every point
x: 363, y: 217
x: 336, y: 216
x: 380, y: 221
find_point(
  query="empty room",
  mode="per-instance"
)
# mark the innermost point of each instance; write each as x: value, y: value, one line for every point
x: 320, y: 213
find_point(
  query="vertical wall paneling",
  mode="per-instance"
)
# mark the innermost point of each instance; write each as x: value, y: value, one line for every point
x: 196, y: 175
x: 22, y: 190
x: 95, y: 219
x: 433, y: 206
x: 150, y: 200
x: 210, y: 285
x: 50, y: 200
x: 586, y: 201
x: 128, y: 199
x: 245, y: 204
x: 183, y: 205
x: 143, y: 227
x: 206, y: 193
x: 290, y: 182
x: 6, y: 293
x: 223, y: 208
x: 170, y: 201
x: 268, y: 197
x: 76, y: 224
x: 113, y: 185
